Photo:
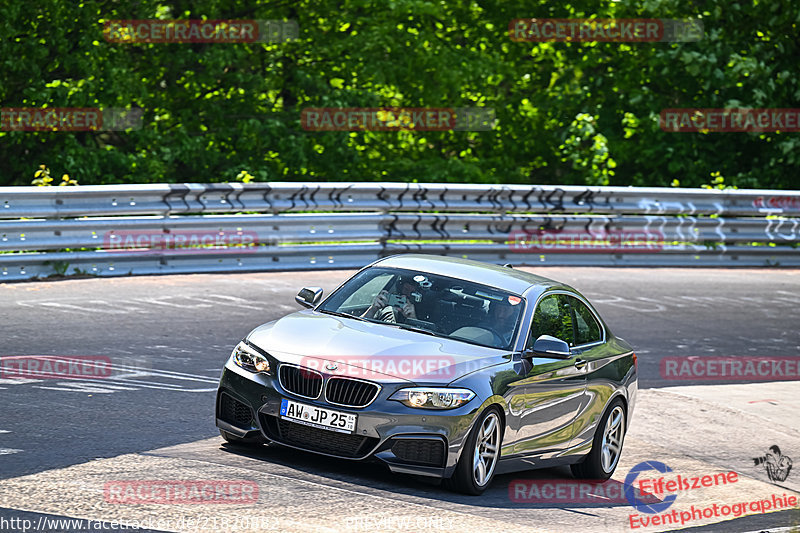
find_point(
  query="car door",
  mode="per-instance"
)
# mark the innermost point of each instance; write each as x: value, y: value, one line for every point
x: 600, y: 372
x: 544, y: 403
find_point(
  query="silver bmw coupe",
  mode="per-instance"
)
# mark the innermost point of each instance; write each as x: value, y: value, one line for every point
x: 438, y: 367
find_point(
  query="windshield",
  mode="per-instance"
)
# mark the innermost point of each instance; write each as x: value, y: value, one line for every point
x: 437, y: 305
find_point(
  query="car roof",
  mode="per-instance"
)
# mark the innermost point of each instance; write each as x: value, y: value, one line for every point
x: 505, y: 278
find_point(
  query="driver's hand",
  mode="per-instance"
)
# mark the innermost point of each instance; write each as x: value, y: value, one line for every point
x: 408, y: 310
x: 381, y: 300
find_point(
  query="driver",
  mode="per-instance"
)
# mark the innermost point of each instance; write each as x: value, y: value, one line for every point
x: 502, y: 320
x: 382, y: 310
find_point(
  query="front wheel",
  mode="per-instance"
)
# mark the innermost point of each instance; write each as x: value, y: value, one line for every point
x: 606, y: 447
x: 476, y: 467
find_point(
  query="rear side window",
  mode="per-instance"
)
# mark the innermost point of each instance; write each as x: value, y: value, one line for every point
x: 587, y: 330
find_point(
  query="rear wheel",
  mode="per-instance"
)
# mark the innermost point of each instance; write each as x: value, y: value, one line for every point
x: 606, y: 447
x: 476, y: 467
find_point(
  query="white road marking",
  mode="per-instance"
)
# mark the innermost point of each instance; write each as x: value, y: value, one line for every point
x: 17, y: 381
x: 663, y: 303
x: 232, y: 301
x: 627, y: 304
x: 111, y: 308
x: 68, y: 307
x: 161, y: 301
x: 792, y: 297
x: 9, y: 451
x: 141, y: 304
x: 123, y: 377
x: 82, y: 386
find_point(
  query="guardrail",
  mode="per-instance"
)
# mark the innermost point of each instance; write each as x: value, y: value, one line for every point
x: 179, y: 228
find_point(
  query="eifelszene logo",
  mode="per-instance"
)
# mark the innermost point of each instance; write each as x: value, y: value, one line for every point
x: 630, y: 491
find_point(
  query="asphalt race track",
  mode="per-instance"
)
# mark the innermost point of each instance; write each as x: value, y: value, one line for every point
x: 62, y: 441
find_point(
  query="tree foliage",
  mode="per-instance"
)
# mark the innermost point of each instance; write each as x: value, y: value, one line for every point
x: 567, y: 113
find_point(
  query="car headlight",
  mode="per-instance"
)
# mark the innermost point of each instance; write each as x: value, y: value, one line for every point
x: 248, y: 358
x: 433, y: 397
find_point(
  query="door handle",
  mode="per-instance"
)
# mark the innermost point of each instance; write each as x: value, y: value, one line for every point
x: 580, y: 363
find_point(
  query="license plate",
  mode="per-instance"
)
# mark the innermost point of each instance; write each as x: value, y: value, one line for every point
x: 318, y: 417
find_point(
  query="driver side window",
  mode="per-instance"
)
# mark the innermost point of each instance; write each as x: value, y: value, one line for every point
x: 552, y: 317
x: 364, y: 295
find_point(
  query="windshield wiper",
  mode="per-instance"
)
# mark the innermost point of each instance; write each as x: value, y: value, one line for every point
x: 395, y: 324
x: 418, y: 330
x: 344, y: 315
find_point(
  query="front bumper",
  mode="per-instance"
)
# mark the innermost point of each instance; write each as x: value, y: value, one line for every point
x: 408, y: 440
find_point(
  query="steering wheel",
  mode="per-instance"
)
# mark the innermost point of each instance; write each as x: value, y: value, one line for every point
x: 424, y: 324
x: 498, y: 339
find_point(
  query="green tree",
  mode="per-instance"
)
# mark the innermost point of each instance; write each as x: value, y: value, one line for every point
x: 571, y: 113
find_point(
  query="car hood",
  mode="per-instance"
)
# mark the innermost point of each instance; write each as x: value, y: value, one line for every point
x: 370, y: 351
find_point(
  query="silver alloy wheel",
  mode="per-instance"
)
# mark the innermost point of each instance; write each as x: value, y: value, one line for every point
x: 612, y: 439
x: 487, y: 448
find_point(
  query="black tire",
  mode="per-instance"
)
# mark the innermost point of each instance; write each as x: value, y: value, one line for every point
x: 241, y: 441
x: 593, y: 467
x: 463, y: 479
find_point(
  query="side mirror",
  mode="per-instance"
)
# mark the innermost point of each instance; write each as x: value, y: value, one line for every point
x: 309, y: 296
x: 550, y: 347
